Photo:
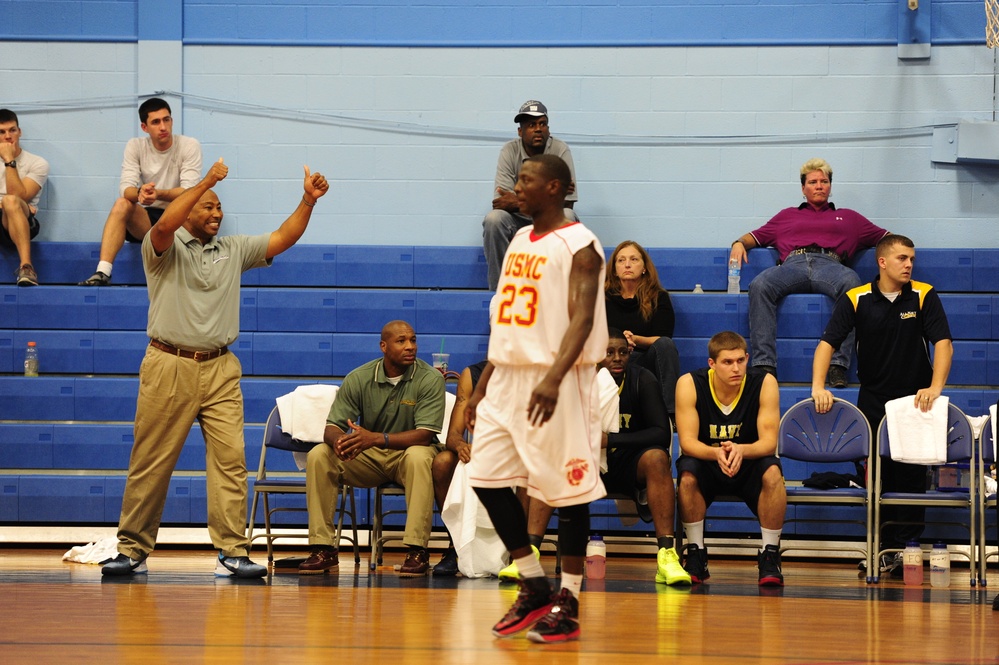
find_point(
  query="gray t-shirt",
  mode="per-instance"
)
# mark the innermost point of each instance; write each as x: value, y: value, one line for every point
x: 513, y: 155
x: 29, y: 167
x: 194, y: 288
x: 177, y: 166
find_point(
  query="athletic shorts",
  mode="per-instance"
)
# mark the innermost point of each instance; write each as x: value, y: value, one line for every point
x: 622, y: 477
x: 558, y: 462
x: 154, y: 216
x: 746, y: 485
x: 33, y: 227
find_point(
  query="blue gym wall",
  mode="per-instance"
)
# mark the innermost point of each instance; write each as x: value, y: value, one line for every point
x: 688, y: 119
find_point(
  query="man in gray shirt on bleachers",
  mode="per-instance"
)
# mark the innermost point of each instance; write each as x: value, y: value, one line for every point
x: 154, y: 171
x: 505, y: 219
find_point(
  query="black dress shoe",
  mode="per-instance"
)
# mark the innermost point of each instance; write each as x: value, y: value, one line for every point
x: 448, y: 565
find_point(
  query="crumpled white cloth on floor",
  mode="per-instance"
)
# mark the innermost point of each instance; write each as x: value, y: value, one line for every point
x: 97, y: 552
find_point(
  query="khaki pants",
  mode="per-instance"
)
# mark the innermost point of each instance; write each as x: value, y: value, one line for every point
x: 172, y: 393
x: 325, y: 472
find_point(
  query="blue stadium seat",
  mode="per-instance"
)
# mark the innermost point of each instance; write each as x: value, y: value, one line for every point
x: 7, y: 353
x: 969, y: 315
x: 367, y: 311
x: 59, y: 351
x: 353, y: 350
x: 296, y: 310
x: 293, y: 354
x: 27, y: 446
x: 9, y: 490
x: 122, y: 308
x: 704, y: 314
x: 300, y: 265
x: 465, y: 350
x: 42, y: 398
x: 969, y: 366
x: 104, y: 398
x: 452, y: 312
x: 57, y: 308
x: 118, y: 351
x: 802, y: 315
x: 61, y: 499
x: 984, y: 269
x: 374, y: 265
x: 449, y: 268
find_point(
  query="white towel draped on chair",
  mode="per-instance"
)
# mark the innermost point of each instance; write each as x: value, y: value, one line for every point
x: 916, y: 437
x: 303, y: 414
x: 481, y: 553
x: 610, y: 414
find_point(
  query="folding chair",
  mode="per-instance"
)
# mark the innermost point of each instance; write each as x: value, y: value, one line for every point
x: 986, y: 499
x: 831, y: 441
x: 378, y: 535
x: 960, y: 448
x: 267, y: 484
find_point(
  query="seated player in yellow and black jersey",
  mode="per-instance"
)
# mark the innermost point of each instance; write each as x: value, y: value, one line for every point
x: 727, y: 416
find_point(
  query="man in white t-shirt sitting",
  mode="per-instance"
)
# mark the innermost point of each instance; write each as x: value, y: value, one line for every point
x: 24, y: 175
x: 154, y: 171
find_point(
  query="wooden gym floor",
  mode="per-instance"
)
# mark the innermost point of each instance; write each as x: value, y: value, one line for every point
x: 55, y: 612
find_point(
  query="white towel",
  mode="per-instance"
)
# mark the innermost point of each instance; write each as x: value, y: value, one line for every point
x: 480, y: 551
x: 992, y: 422
x: 610, y: 414
x: 99, y: 551
x: 304, y: 411
x: 916, y: 437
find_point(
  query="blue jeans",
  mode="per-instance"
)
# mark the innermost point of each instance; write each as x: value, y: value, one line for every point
x: 498, y: 229
x: 801, y: 273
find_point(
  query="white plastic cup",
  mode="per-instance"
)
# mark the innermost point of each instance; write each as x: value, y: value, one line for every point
x: 440, y: 361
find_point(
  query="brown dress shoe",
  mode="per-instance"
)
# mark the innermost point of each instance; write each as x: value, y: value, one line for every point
x: 322, y: 560
x: 417, y: 563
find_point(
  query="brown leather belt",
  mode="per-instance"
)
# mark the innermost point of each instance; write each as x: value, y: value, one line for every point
x: 199, y: 356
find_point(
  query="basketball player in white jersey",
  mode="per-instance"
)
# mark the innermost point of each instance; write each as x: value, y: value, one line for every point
x: 535, y: 411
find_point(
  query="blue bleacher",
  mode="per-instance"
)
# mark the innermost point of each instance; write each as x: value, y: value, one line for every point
x: 316, y: 314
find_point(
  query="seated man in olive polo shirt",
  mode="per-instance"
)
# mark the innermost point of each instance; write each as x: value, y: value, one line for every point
x: 382, y: 428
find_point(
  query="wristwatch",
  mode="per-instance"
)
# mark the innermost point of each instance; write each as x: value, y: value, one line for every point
x: 11, y: 163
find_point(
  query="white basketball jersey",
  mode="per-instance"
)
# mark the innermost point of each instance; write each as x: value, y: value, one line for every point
x: 532, y: 301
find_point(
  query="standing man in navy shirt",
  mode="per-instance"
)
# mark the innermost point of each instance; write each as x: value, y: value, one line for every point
x: 896, y: 320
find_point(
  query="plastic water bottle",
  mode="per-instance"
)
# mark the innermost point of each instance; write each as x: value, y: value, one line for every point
x: 596, y: 558
x: 912, y: 564
x: 939, y: 565
x: 733, y: 275
x: 31, y: 360
x: 697, y: 289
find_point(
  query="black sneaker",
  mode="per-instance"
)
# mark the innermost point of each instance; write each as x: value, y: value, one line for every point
x: 891, y: 565
x: 769, y: 564
x: 122, y: 565
x: 97, y: 279
x: 696, y: 564
x: 836, y: 377
x: 995, y: 604
x: 238, y: 566
x: 448, y: 565
x: 533, y: 602
x: 561, y: 624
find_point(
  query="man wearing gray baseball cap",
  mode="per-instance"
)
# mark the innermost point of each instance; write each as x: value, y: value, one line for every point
x: 505, y: 219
